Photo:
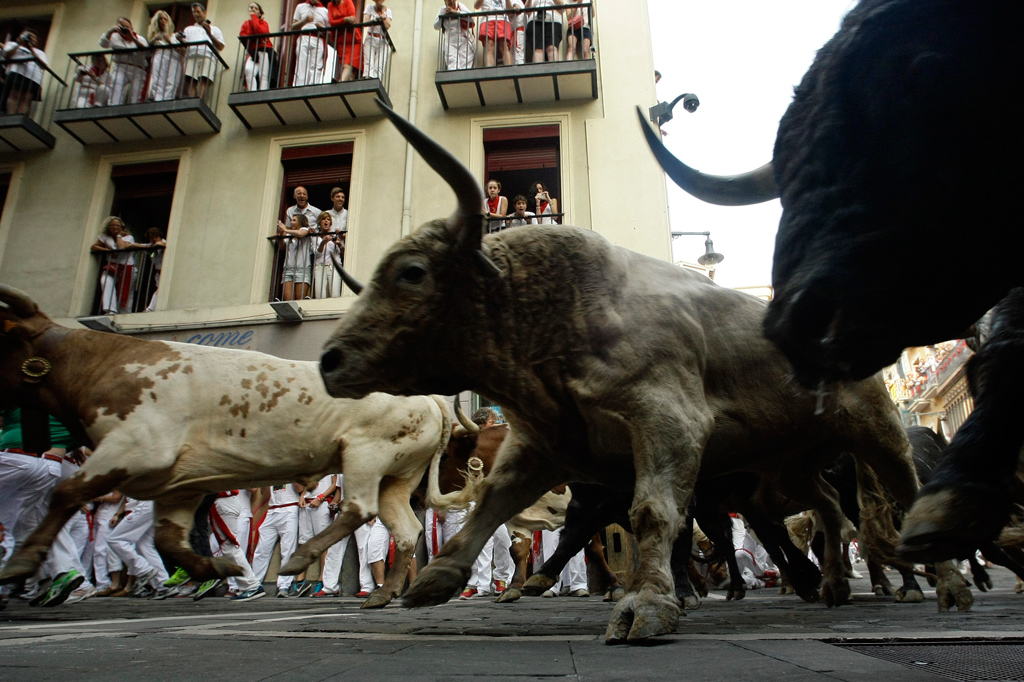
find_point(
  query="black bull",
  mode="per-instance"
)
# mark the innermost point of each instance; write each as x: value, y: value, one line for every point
x: 896, y: 165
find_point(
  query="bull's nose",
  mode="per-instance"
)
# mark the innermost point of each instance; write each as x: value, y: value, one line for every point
x: 330, y: 361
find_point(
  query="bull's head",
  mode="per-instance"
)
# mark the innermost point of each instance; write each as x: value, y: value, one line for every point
x: 21, y: 323
x: 397, y: 336
x: 870, y: 162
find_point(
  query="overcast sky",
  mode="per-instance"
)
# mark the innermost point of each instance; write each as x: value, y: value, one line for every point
x: 742, y: 58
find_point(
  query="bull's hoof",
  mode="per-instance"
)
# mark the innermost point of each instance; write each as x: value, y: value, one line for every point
x: 615, y: 594
x: 836, y: 592
x: 298, y: 563
x: 883, y: 590
x: 641, y: 615
x: 950, y: 522
x: 905, y: 596
x: 736, y: 593
x: 378, y: 599
x: 223, y: 568
x: 1018, y: 588
x: 510, y: 595
x: 20, y: 567
x: 690, y: 602
x: 786, y: 589
x: 441, y: 580
x: 537, y: 584
x: 952, y: 589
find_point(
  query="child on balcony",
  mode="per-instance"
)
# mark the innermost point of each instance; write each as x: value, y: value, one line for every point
x: 458, y: 43
x: 495, y: 29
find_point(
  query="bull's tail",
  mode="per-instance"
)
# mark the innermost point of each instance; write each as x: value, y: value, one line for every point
x: 459, y: 499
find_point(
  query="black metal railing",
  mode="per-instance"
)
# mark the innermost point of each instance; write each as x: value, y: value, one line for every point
x: 304, y: 266
x: 291, y: 59
x: 129, y: 280
x: 30, y: 89
x: 512, y: 37
x: 158, y: 73
x: 510, y: 220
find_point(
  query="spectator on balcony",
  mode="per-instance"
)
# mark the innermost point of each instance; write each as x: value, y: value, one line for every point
x: 519, y: 32
x: 577, y: 33
x: 458, y: 42
x: 201, y: 60
x: 310, y: 50
x: 295, y: 278
x: 128, y: 71
x: 116, y: 269
x: 326, y: 282
x: 348, y: 40
x: 93, y: 83
x: 259, y: 50
x: 165, y: 68
x: 521, y: 216
x: 545, y: 28
x: 339, y: 214
x: 497, y: 206
x: 546, y: 205
x: 24, y: 81
x: 375, y: 44
x: 494, y: 31
x: 155, y: 237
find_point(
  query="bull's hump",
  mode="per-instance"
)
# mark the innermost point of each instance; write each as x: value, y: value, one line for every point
x: 126, y: 377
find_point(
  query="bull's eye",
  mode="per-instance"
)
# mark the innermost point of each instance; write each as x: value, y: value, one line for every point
x: 412, y: 274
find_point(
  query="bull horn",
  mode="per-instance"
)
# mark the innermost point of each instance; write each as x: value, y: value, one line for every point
x: 18, y: 301
x: 348, y: 279
x: 467, y: 423
x: 754, y: 187
x: 458, y: 177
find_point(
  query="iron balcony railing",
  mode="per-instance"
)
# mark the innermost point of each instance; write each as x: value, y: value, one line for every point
x: 21, y: 96
x: 469, y: 40
x: 158, y: 73
x: 510, y: 220
x: 128, y: 281
x: 292, y: 59
x: 307, y: 261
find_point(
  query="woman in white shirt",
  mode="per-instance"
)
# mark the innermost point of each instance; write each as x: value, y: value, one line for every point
x: 375, y: 45
x: 310, y: 50
x: 326, y: 282
x: 24, y: 78
x: 165, y: 71
x: 116, y: 270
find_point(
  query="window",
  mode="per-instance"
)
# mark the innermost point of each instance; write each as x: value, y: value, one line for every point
x: 142, y: 195
x: 12, y: 27
x: 519, y: 157
x: 180, y: 13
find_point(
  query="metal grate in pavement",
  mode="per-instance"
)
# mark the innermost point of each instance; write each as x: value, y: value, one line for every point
x: 970, y: 662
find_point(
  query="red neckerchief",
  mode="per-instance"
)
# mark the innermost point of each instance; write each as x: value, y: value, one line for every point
x: 492, y: 204
x: 543, y: 206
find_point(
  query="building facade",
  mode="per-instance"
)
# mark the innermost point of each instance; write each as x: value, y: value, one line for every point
x: 208, y: 146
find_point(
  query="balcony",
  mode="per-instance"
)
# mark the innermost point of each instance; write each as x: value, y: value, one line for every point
x: 303, y: 77
x: 303, y: 267
x: 26, y: 112
x: 142, y: 94
x: 478, y: 73
x: 128, y: 280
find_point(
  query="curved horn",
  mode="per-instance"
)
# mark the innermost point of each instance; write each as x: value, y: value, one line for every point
x: 467, y: 423
x: 348, y: 279
x: 462, y: 182
x: 754, y: 187
x: 18, y: 300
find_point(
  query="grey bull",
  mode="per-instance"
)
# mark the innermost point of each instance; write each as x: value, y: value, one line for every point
x: 612, y: 368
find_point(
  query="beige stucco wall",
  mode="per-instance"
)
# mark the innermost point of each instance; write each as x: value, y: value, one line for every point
x: 217, y: 266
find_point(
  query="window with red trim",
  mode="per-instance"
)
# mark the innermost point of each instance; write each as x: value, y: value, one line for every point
x: 520, y: 156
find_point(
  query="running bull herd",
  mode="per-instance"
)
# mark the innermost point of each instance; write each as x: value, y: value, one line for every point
x: 637, y: 380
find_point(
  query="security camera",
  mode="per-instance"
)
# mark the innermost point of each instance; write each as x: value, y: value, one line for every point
x: 690, y: 102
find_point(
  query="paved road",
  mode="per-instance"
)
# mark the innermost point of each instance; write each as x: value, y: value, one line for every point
x: 764, y: 637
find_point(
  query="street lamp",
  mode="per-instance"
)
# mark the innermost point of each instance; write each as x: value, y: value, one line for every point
x: 710, y: 259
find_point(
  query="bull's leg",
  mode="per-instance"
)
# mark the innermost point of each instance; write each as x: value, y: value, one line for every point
x: 668, y: 440
x: 522, y: 543
x: 820, y: 495
x: 581, y: 523
x: 951, y: 588
x: 968, y: 499
x: 803, y: 576
x: 400, y: 519
x: 344, y: 524
x: 173, y: 520
x: 718, y: 528
x: 595, y: 555
x: 67, y: 498
x: 880, y: 584
x: 980, y: 575
x: 681, y: 553
x: 519, y: 477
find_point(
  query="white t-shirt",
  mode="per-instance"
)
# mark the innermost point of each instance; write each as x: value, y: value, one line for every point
x: 323, y: 257
x: 370, y: 14
x: 339, y: 220
x: 197, y: 34
x: 547, y: 16
x: 29, y: 69
x: 244, y: 504
x: 519, y: 222
x: 310, y: 16
x: 130, y: 53
x: 283, y: 494
x: 321, y: 487
x: 122, y: 257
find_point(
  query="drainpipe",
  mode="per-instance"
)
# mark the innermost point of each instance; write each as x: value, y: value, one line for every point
x: 414, y: 89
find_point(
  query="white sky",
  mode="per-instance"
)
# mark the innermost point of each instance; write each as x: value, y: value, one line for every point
x: 742, y: 58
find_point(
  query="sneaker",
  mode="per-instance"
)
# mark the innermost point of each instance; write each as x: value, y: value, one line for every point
x: 499, y: 586
x: 162, y: 593
x: 303, y: 588
x: 326, y: 593
x: 249, y: 595
x: 468, y: 593
x: 87, y: 591
x: 549, y: 594
x: 362, y: 593
x: 145, y: 593
x: 317, y: 586
x: 206, y: 589
x: 142, y: 583
x: 180, y: 576
x: 62, y: 587
x: 579, y: 593
x: 31, y: 593
x: 186, y: 590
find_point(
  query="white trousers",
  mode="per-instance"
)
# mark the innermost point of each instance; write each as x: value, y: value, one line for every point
x: 493, y: 563
x: 227, y: 509
x: 436, y: 531
x: 575, y: 572
x: 375, y: 56
x: 78, y: 528
x: 366, y: 583
x: 310, y: 55
x: 459, y: 49
x: 104, y: 561
x: 126, y: 81
x: 326, y: 282
x: 165, y: 75
x: 257, y: 72
x: 132, y: 541
x: 279, y: 524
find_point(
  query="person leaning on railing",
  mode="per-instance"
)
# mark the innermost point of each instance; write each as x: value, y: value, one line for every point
x: 116, y: 269
x: 375, y: 45
x: 201, y: 60
x: 348, y: 40
x: 577, y: 32
x: 93, y: 82
x: 259, y: 50
x: 24, y: 80
x: 165, y: 69
x: 310, y: 50
x: 128, y: 72
x: 458, y: 41
x: 546, y: 29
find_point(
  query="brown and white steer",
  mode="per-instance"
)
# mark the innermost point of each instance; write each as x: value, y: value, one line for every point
x: 172, y: 422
